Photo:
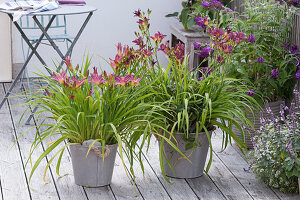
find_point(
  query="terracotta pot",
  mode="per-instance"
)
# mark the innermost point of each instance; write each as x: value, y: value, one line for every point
x: 91, y: 170
x: 275, y: 107
x: 182, y: 167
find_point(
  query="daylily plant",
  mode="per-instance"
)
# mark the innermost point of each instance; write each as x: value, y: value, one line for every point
x: 92, y: 106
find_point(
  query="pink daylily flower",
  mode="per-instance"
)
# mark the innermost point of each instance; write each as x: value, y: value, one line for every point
x: 123, y: 80
x: 135, y: 81
x: 158, y: 37
x: 96, y: 79
x: 61, y: 78
x: 77, y: 83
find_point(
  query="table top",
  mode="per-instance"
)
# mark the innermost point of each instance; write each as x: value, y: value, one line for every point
x: 62, y: 10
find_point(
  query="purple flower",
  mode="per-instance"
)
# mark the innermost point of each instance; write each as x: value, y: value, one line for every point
x: 260, y: 59
x: 298, y: 74
x: 229, y: 10
x: 251, y: 38
x: 274, y: 73
x: 295, y: 1
x: 205, y: 4
x: 203, y: 22
x: 220, y: 59
x: 294, y: 49
x: 286, y: 46
x: 204, y: 52
x: 207, y: 70
x: 197, y: 45
x: 201, y: 78
x: 250, y: 93
x: 217, y: 5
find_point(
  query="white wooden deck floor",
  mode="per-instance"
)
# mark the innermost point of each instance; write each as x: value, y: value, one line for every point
x: 226, y: 179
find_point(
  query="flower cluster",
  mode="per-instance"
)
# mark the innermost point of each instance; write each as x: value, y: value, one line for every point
x: 215, y: 5
x: 274, y: 74
x: 205, y: 71
x: 277, y: 148
x: 132, y: 60
x: 125, y: 55
x: 203, y: 22
x: 76, y: 79
x: 176, y: 52
x: 222, y: 40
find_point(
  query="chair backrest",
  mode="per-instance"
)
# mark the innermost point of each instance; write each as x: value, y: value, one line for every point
x: 26, y: 22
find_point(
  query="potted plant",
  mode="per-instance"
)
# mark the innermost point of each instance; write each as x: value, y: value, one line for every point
x: 192, y: 108
x: 277, y: 149
x: 266, y: 62
x: 96, y: 114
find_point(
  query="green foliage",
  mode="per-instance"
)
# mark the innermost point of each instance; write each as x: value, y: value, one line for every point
x: 185, y: 15
x: 109, y: 112
x: 270, y: 24
x: 190, y: 105
x: 277, y: 152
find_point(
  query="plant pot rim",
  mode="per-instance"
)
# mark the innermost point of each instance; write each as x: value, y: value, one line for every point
x: 78, y: 144
x: 202, y: 132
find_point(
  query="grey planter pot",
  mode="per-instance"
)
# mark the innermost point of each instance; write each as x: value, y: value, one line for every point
x: 275, y: 107
x: 182, y: 167
x: 90, y: 170
x: 299, y: 184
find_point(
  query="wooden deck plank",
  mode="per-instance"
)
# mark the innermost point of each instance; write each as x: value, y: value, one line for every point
x: 156, y: 191
x: 236, y: 165
x: 12, y: 177
x: 122, y: 186
x: 279, y: 194
x: 181, y: 189
x: 39, y: 190
x: 66, y: 187
x: 226, y: 182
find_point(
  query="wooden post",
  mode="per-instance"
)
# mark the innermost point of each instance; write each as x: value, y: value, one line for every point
x: 189, y: 37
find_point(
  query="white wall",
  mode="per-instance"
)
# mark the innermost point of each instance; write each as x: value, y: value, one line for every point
x: 113, y: 22
x: 5, y: 49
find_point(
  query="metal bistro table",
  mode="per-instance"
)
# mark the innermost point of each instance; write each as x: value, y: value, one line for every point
x: 62, y: 10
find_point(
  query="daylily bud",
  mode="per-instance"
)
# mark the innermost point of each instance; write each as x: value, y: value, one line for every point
x: 68, y: 62
x: 87, y: 73
x: 47, y: 91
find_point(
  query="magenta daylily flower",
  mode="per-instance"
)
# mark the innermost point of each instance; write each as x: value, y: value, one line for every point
x: 139, y: 42
x: 77, y: 83
x: 137, y: 13
x: 96, y: 79
x: 61, y: 78
x: 158, y: 37
x: 135, y: 81
x: 122, y: 80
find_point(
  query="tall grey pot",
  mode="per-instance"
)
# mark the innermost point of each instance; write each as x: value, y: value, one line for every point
x: 275, y: 107
x: 182, y: 167
x: 90, y: 170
